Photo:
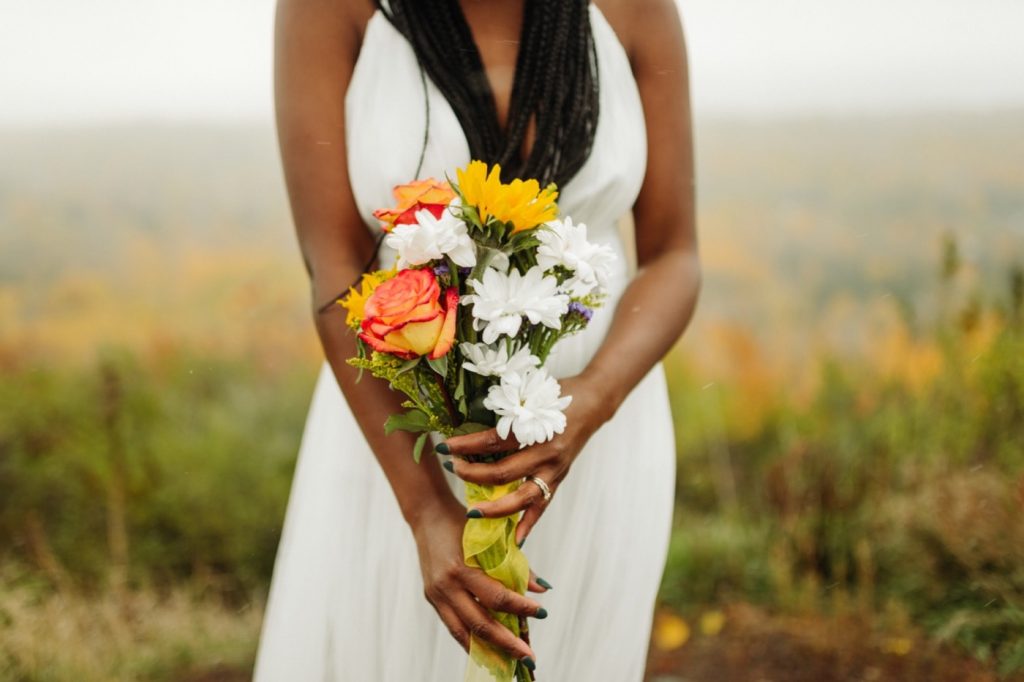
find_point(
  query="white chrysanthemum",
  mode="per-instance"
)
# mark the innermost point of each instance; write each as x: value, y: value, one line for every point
x: 500, y: 301
x: 489, y: 361
x: 565, y: 244
x: 430, y: 238
x: 530, y: 405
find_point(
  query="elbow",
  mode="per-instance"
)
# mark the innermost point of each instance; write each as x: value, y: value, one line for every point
x: 690, y: 278
x: 695, y: 272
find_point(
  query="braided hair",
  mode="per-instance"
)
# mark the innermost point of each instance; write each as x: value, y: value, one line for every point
x: 555, y: 85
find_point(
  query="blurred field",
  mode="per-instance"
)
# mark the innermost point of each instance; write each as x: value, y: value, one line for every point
x: 849, y: 402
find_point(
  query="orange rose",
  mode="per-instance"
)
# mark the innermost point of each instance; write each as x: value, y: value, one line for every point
x: 406, y: 316
x: 426, y: 194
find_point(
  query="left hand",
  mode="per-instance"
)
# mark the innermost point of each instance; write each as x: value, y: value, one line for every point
x: 548, y: 461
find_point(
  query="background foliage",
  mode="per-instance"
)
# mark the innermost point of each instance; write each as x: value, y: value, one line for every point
x: 849, y: 401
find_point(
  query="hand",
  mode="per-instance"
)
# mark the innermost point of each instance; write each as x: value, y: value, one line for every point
x: 461, y: 594
x: 548, y: 461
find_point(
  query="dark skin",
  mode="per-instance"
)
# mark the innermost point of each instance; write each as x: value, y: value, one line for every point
x: 317, y: 43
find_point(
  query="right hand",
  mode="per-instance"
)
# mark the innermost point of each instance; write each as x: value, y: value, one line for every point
x: 462, y: 594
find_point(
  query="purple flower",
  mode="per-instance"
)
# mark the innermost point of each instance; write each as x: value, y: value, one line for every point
x: 465, y: 271
x: 442, y: 270
x: 581, y: 310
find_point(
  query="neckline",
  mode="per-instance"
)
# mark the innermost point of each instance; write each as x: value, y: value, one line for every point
x: 378, y: 14
x: 595, y: 12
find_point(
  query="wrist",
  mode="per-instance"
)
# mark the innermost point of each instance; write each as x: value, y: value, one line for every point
x: 600, y: 400
x: 424, y: 513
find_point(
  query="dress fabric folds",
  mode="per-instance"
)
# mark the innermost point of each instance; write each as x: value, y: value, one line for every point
x: 346, y: 601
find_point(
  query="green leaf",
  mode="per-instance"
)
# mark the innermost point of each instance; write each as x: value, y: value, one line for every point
x: 440, y: 365
x: 413, y: 421
x: 417, y: 449
x: 460, y: 388
x: 521, y: 241
x: 471, y: 427
x: 407, y: 366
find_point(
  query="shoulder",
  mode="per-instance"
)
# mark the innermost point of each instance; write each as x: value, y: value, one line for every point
x: 344, y: 20
x: 644, y: 26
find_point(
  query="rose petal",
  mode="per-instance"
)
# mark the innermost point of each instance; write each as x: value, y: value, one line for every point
x: 447, y: 337
x: 382, y: 346
x: 420, y: 337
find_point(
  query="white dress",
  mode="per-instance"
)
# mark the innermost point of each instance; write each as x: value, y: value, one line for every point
x: 346, y: 601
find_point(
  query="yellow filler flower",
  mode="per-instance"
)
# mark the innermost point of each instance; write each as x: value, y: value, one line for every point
x: 355, y: 301
x: 520, y: 202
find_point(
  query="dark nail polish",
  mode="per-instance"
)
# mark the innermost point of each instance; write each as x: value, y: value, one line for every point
x: 449, y: 466
x: 545, y: 584
x: 542, y: 613
x: 442, y: 449
x: 521, y: 543
x: 529, y: 663
x: 474, y: 514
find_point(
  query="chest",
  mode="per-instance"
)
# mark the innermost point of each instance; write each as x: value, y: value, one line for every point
x: 399, y: 125
x: 496, y: 28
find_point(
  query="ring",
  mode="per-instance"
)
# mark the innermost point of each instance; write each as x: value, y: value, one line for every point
x: 544, y: 489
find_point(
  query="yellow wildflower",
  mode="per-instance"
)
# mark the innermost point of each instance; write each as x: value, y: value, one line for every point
x: 355, y: 300
x: 670, y: 631
x: 712, y: 622
x: 520, y: 202
x: 900, y: 646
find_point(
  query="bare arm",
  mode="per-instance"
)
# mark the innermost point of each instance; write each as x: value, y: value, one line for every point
x: 316, y: 45
x: 317, y: 42
x: 659, y: 302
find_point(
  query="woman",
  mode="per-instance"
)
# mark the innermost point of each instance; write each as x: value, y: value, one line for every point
x: 595, y: 98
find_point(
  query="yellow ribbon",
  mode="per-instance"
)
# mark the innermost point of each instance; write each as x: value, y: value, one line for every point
x: 490, y: 545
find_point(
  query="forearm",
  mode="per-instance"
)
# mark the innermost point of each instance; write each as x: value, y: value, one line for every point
x: 650, y: 317
x: 420, y: 488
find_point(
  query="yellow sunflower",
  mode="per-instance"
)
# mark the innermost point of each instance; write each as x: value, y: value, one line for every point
x: 520, y: 202
x: 355, y: 301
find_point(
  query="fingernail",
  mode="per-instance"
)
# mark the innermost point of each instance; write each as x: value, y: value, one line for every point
x: 529, y: 663
x: 521, y: 543
x: 449, y: 466
x: 442, y: 449
x: 541, y: 613
x: 474, y: 514
x: 545, y: 584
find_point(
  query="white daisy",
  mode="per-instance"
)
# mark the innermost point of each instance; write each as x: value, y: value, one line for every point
x: 430, y: 238
x: 489, y: 361
x: 500, y: 301
x: 530, y: 405
x: 565, y: 244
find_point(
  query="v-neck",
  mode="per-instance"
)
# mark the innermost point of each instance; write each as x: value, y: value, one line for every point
x: 488, y: 78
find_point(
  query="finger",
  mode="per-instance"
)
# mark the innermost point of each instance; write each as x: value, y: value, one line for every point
x: 537, y: 584
x: 481, y: 443
x: 518, y: 500
x: 481, y: 624
x: 497, y: 597
x: 455, y: 626
x: 510, y: 468
x: 527, y: 521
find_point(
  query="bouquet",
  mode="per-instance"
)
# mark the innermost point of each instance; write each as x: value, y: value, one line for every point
x: 488, y: 278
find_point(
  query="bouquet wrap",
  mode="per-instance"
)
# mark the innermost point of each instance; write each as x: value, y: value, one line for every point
x: 489, y: 544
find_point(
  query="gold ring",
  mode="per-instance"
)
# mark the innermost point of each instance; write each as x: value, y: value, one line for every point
x: 544, y: 489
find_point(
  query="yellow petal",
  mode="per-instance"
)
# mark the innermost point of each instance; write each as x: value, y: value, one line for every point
x: 521, y: 203
x: 419, y: 337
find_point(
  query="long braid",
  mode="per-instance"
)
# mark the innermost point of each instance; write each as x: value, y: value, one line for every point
x: 555, y: 86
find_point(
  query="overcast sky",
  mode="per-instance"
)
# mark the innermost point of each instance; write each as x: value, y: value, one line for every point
x: 85, y: 60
